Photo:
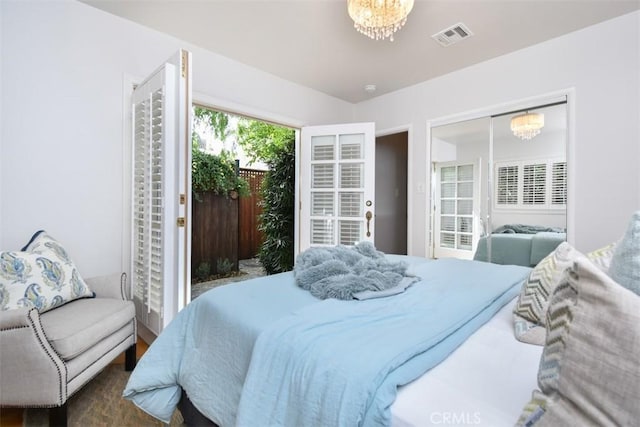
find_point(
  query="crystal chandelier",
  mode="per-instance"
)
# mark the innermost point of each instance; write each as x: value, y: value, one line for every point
x: 526, y: 126
x: 379, y: 19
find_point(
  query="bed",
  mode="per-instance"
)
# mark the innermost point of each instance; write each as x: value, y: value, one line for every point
x: 266, y: 350
x: 519, y: 244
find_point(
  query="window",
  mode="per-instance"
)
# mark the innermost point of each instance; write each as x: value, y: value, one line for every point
x: 531, y: 184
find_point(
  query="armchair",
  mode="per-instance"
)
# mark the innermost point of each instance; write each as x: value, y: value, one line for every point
x: 47, y: 357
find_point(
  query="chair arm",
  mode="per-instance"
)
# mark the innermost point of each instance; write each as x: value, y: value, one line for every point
x: 31, y: 372
x: 110, y: 286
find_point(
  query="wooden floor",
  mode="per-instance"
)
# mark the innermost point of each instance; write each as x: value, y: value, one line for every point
x: 12, y: 417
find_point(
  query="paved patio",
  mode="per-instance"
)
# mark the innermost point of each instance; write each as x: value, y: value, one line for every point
x: 249, y: 269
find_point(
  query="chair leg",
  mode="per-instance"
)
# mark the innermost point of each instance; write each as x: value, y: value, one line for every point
x: 130, y: 358
x: 58, y: 416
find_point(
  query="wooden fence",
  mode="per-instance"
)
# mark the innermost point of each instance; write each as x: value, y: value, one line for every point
x: 226, y: 229
x: 214, y: 232
x: 250, y: 238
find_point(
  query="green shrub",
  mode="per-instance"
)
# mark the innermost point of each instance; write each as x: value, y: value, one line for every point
x: 216, y: 173
x: 203, y: 271
x: 276, y: 220
x: 224, y: 266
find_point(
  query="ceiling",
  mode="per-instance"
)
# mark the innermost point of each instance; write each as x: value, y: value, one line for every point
x: 313, y: 42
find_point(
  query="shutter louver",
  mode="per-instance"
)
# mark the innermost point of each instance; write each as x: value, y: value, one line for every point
x: 532, y: 184
x: 559, y: 184
x: 148, y: 197
x: 148, y: 201
x: 507, y: 185
x: 322, y: 203
x: 534, y: 187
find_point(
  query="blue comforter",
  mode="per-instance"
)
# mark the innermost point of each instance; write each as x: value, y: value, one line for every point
x: 266, y: 351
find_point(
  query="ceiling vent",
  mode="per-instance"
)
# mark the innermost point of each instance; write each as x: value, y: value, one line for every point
x: 452, y: 35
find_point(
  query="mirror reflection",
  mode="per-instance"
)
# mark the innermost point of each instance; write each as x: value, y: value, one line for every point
x: 499, y: 186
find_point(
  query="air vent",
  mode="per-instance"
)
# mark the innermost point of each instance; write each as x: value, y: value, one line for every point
x: 452, y: 35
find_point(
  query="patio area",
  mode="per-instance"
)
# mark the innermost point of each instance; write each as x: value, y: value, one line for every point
x: 249, y: 269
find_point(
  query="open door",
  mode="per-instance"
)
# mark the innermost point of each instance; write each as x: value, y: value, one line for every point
x: 161, y: 194
x: 337, y: 185
x: 457, y: 209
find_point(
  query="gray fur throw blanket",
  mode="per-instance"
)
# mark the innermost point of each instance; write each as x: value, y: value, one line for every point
x: 346, y: 273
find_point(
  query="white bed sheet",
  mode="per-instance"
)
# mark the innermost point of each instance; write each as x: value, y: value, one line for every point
x: 485, y: 382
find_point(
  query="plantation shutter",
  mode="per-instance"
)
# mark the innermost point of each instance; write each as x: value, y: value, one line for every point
x: 159, y: 203
x: 531, y: 184
x: 559, y: 184
x: 507, y: 185
x: 534, y: 187
x: 337, y: 185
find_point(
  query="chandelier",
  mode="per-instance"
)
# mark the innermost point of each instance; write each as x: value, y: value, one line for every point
x: 379, y: 19
x: 526, y: 126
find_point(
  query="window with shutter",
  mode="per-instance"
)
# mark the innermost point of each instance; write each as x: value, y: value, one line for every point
x: 531, y: 184
x: 559, y: 184
x: 534, y: 182
x: 507, y: 185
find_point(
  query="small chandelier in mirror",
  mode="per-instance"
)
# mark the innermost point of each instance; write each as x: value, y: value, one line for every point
x: 526, y: 126
x: 379, y: 19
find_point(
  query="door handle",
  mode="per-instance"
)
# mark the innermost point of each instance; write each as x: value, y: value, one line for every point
x: 368, y: 215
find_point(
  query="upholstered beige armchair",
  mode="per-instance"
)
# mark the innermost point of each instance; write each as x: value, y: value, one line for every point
x: 46, y: 358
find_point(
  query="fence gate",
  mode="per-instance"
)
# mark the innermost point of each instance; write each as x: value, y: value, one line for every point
x: 250, y: 238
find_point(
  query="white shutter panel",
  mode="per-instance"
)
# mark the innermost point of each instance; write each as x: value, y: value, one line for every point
x: 150, y: 111
x: 507, y: 185
x: 534, y: 187
x: 559, y: 183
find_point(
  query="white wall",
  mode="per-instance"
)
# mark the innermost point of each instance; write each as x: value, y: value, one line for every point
x: 601, y: 62
x: 64, y: 65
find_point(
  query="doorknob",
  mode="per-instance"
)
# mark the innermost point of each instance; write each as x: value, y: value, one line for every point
x: 368, y: 215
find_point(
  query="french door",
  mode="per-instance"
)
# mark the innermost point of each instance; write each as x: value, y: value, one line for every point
x: 161, y: 193
x: 337, y: 185
x: 457, y: 209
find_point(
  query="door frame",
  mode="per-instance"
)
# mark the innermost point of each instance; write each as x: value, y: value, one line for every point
x: 129, y: 82
x: 568, y: 94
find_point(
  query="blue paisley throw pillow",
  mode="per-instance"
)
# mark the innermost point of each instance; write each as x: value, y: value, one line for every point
x: 42, y: 275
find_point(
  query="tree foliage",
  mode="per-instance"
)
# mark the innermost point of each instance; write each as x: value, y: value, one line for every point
x: 262, y: 141
x: 276, y: 220
x: 215, y: 173
x: 216, y: 120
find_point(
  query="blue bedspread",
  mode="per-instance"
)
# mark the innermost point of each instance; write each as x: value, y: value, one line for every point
x: 207, y: 348
x: 362, y: 349
x: 337, y: 363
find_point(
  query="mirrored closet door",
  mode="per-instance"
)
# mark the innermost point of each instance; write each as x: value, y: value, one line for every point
x: 499, y: 186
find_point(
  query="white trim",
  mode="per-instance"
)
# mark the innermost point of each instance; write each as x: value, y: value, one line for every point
x: 128, y: 84
x: 409, y: 129
x: 244, y: 110
x: 564, y: 95
x: 296, y: 197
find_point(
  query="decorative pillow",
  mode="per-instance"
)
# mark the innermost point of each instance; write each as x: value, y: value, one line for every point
x: 529, y: 312
x: 602, y: 257
x: 42, y: 275
x: 625, y: 264
x: 589, y: 370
